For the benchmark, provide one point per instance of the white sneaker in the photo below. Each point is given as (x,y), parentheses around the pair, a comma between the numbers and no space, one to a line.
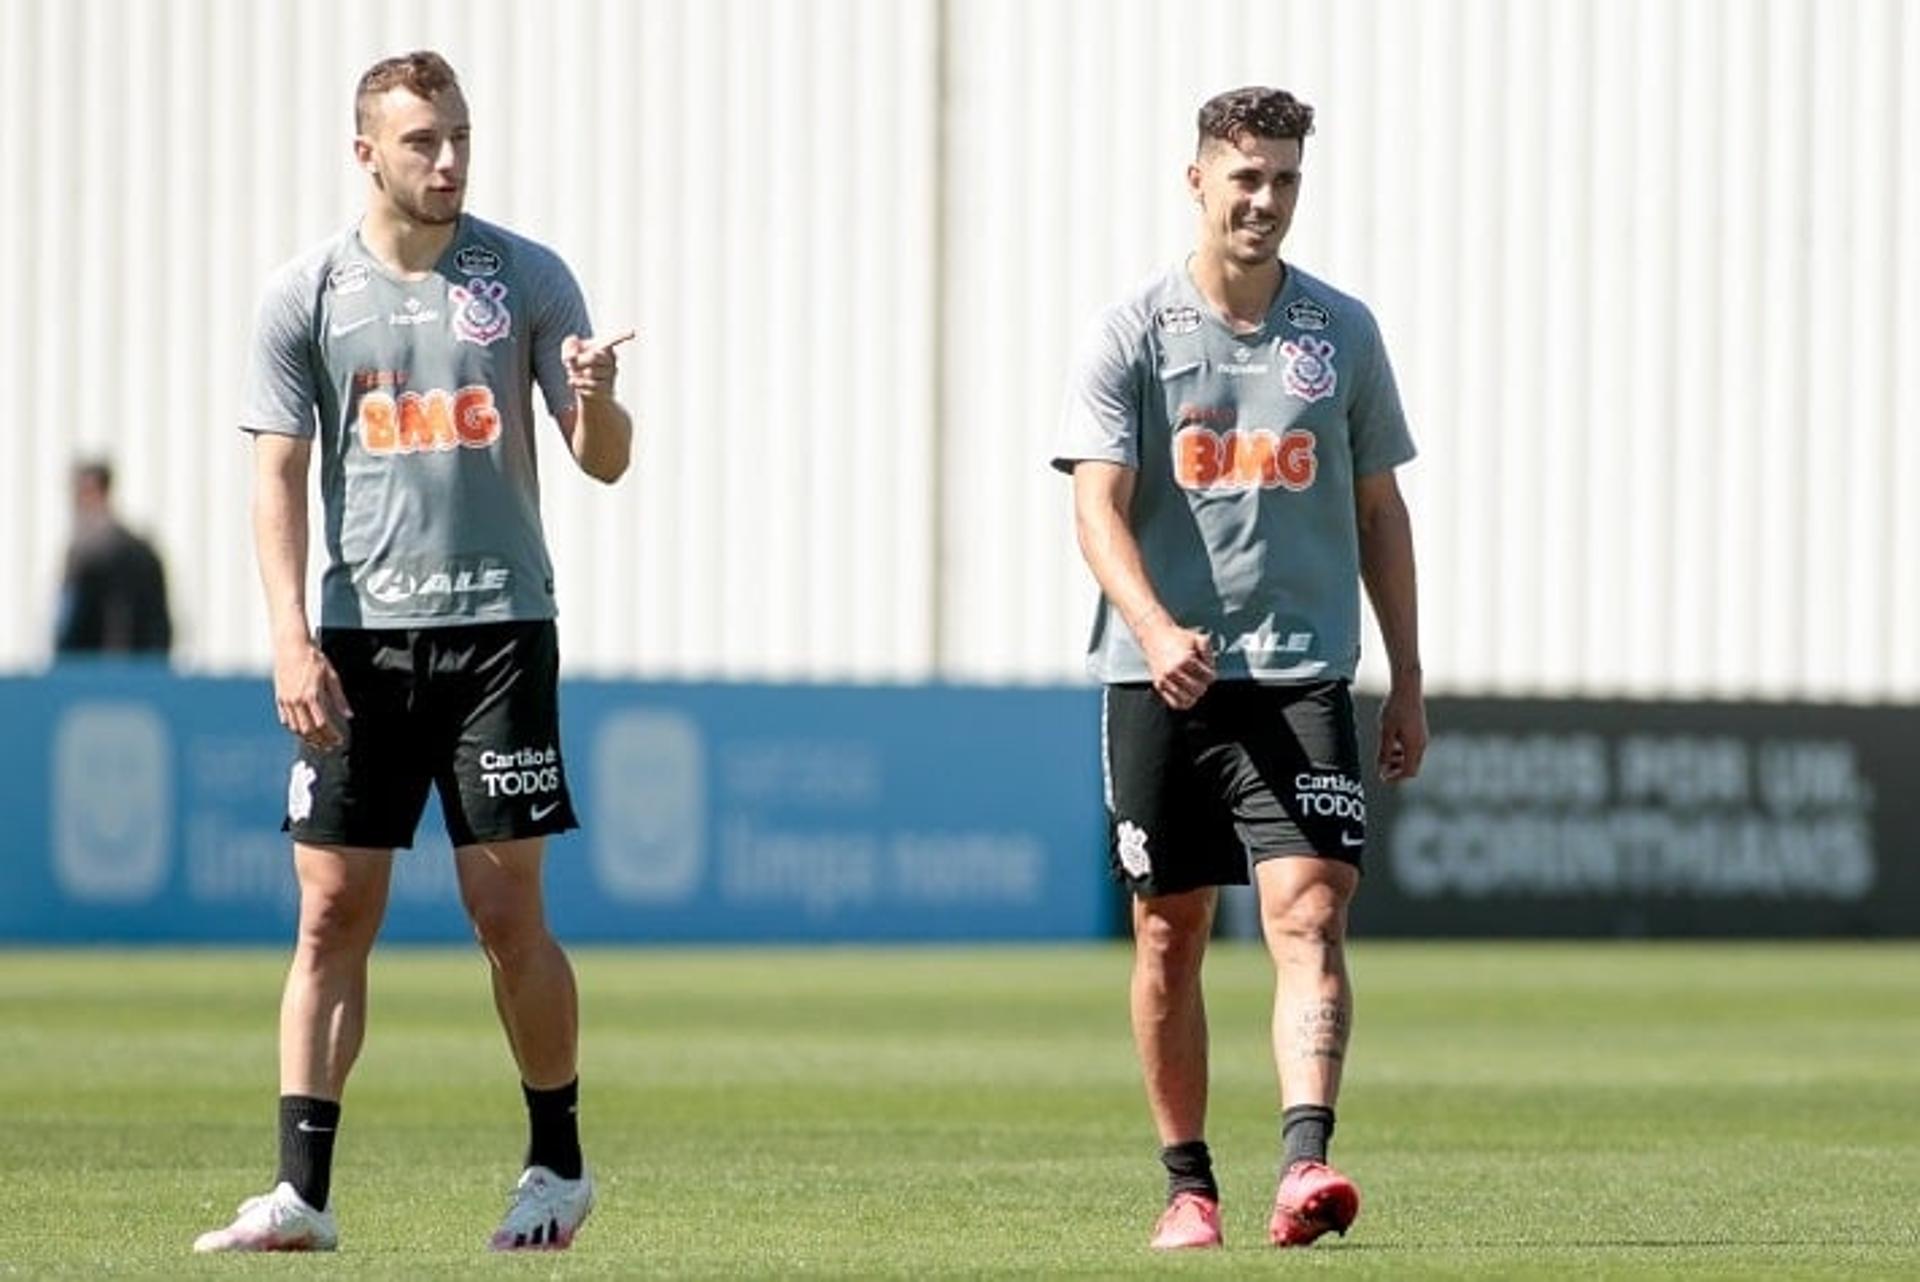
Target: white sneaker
(544,1211)
(276,1221)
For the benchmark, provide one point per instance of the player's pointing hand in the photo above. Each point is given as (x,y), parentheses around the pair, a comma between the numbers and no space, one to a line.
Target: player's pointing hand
(591,363)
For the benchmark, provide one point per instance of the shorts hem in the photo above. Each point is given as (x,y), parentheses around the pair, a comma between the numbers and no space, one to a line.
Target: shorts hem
(523,832)
(1349,857)
(1154,890)
(315,837)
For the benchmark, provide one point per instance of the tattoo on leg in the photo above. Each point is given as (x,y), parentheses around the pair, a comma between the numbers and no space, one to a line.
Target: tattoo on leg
(1321,1032)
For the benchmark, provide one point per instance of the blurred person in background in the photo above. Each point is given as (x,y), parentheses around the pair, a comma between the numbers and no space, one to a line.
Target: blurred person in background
(1232,429)
(410,346)
(113,589)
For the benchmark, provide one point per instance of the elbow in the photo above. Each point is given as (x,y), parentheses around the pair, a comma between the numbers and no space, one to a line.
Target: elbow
(1088,530)
(604,453)
(604,458)
(1379,516)
(606,470)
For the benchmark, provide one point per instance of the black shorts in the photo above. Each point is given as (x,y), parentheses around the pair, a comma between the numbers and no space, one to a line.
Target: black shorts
(1249,773)
(472,709)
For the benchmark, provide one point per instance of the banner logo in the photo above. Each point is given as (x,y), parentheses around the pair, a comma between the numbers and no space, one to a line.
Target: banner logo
(112,802)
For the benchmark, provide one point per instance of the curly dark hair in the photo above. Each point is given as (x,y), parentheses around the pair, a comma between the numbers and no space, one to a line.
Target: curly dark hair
(423,71)
(1256,110)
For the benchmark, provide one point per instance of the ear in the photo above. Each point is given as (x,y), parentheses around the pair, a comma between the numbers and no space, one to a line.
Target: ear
(363,152)
(1194,186)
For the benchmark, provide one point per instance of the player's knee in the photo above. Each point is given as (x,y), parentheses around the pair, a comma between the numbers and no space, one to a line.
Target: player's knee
(1313,921)
(333,925)
(1171,943)
(505,925)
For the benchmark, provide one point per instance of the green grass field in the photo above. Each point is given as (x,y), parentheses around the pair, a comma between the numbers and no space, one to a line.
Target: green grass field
(1526,1111)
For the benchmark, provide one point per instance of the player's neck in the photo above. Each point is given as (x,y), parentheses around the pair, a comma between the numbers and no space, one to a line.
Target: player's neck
(1241,295)
(403,246)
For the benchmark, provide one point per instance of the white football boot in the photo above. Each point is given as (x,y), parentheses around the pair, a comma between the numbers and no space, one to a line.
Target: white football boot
(276,1221)
(544,1211)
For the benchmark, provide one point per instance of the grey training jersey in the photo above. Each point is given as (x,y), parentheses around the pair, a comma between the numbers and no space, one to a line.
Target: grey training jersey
(1247,447)
(421,393)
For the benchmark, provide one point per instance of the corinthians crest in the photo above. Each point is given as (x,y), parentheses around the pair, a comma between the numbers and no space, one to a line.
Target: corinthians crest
(1130,842)
(1309,372)
(480,313)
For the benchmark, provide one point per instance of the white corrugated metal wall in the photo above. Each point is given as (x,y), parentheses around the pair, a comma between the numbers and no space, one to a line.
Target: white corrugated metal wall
(1648,270)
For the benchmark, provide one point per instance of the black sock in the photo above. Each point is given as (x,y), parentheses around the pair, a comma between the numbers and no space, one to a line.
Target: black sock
(307,1127)
(1305,1131)
(1189,1169)
(553,1129)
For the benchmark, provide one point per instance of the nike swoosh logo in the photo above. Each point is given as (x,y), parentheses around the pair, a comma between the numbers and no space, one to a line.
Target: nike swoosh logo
(341,331)
(1348,839)
(304,1125)
(541,812)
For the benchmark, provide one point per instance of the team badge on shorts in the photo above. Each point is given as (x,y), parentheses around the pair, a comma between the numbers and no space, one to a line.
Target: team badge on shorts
(480,313)
(1309,372)
(1130,842)
(300,791)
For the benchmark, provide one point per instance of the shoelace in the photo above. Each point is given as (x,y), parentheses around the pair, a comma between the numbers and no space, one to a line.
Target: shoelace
(264,1212)
(533,1213)
(268,1208)
(538,1196)
(251,1205)
(1185,1205)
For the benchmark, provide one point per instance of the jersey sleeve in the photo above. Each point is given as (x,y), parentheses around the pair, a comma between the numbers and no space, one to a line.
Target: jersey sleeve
(559,309)
(1100,417)
(1376,423)
(279,395)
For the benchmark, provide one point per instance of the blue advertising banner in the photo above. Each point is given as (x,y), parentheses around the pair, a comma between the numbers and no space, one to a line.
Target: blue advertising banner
(1617,818)
(144,806)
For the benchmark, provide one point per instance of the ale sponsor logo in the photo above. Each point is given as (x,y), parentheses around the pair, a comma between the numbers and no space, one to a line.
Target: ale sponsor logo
(436,584)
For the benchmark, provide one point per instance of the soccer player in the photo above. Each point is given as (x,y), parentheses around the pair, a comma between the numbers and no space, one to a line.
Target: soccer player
(409,345)
(1232,431)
